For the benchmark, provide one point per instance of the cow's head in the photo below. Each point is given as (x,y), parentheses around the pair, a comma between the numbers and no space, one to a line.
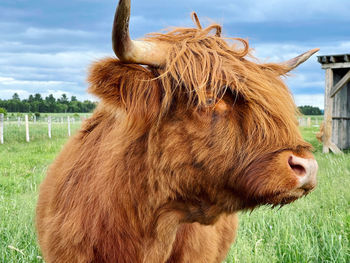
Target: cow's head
(221,130)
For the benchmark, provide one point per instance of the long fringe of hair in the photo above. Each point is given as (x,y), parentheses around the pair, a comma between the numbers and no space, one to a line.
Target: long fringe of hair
(202,66)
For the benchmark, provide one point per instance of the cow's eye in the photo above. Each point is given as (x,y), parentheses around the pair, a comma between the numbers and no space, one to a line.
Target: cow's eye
(210,102)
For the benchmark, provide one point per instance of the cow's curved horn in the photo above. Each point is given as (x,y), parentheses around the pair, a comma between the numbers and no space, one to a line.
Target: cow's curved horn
(294,62)
(131,51)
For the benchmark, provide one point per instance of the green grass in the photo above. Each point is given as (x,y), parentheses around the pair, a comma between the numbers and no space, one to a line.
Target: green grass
(313,229)
(22,167)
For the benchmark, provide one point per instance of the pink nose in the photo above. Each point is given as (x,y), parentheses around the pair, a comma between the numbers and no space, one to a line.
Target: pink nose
(305,169)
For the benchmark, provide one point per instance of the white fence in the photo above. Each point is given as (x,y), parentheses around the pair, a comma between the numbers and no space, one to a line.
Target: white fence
(64,124)
(310,121)
(54,125)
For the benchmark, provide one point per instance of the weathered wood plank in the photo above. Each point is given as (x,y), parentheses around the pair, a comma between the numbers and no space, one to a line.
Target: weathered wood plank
(341,83)
(339,101)
(334,148)
(343,134)
(336,65)
(335,131)
(328,106)
(341,113)
(347,128)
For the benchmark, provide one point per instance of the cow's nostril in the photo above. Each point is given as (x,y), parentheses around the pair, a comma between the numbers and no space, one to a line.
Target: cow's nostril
(298,168)
(305,169)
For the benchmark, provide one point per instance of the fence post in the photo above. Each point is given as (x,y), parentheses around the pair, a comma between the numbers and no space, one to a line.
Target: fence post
(27,128)
(300,121)
(308,122)
(19,121)
(1,128)
(49,125)
(68,120)
(34,118)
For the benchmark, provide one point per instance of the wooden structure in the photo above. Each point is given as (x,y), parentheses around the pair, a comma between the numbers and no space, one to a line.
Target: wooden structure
(336,134)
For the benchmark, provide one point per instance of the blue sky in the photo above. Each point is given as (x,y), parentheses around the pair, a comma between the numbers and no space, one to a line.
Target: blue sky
(46,46)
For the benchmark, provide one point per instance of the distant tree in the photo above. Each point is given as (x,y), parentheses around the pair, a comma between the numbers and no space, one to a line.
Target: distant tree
(34,106)
(50,99)
(15,97)
(30,98)
(37,97)
(74,106)
(62,107)
(36,103)
(51,103)
(26,107)
(63,99)
(13,105)
(310,110)
(4,111)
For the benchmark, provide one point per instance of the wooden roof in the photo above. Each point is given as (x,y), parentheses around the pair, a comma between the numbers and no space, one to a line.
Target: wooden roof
(335,61)
(326,59)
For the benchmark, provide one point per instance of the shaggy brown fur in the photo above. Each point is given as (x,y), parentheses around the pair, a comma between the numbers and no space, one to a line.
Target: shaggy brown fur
(159,171)
(320,133)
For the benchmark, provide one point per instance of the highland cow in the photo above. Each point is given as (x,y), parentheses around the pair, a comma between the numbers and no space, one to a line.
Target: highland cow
(174,150)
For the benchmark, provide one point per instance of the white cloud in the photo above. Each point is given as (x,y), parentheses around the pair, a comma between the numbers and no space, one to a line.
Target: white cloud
(7,93)
(61,59)
(9,86)
(277,52)
(5,81)
(34,32)
(316,100)
(37,73)
(58,93)
(290,10)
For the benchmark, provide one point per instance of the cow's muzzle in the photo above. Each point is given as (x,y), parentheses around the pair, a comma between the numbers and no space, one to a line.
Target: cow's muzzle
(306,170)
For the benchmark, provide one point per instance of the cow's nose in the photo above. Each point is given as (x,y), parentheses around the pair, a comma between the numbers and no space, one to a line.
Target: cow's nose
(305,170)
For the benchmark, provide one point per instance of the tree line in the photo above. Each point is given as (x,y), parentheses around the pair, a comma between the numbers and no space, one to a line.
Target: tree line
(310,110)
(36,103)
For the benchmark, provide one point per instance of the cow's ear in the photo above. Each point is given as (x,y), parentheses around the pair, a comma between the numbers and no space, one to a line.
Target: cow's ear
(128,86)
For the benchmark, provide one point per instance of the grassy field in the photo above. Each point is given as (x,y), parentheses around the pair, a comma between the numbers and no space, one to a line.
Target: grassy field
(313,229)
(22,167)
